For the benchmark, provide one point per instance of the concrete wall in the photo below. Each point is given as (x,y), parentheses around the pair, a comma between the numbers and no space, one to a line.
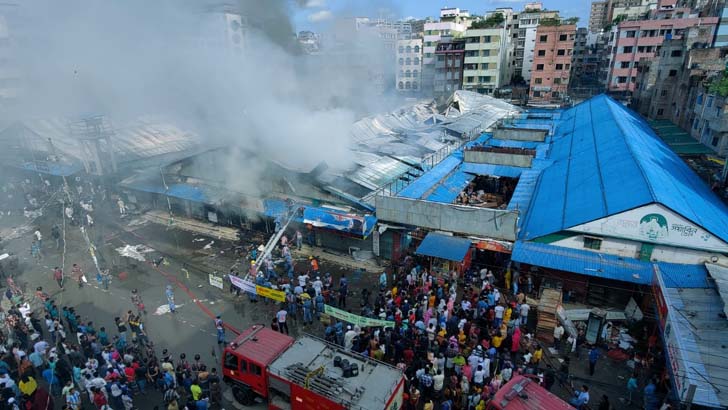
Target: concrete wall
(497,158)
(493,223)
(520,134)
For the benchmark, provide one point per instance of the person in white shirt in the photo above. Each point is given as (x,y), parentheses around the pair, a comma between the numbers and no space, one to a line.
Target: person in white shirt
(524,313)
(349,338)
(438,381)
(499,309)
(479,376)
(558,334)
(318,285)
(302,278)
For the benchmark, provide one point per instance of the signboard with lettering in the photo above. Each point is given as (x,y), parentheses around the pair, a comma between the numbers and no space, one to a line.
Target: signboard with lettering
(356,319)
(215,281)
(654,224)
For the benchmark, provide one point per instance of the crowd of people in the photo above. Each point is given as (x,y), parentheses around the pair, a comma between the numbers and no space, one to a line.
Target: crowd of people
(52,356)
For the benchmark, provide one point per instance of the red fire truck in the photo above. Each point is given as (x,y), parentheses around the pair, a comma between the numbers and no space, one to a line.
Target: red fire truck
(307,373)
(522,393)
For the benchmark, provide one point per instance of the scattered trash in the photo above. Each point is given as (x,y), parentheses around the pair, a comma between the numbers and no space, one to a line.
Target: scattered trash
(209,245)
(198,239)
(134,251)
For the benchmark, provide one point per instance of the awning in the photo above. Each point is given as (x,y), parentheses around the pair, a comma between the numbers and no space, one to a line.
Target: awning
(583,262)
(442,246)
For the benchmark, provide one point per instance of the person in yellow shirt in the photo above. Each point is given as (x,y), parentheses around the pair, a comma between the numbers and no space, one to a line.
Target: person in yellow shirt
(537,355)
(507,315)
(196,391)
(496,341)
(27,385)
(431,301)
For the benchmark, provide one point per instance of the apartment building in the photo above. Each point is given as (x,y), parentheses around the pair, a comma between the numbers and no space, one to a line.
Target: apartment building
(486,59)
(408,78)
(721,35)
(633,40)
(630,9)
(449,56)
(528,22)
(598,15)
(433,32)
(553,52)
(660,79)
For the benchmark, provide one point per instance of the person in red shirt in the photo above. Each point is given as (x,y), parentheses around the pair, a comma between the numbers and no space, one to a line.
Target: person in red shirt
(99,398)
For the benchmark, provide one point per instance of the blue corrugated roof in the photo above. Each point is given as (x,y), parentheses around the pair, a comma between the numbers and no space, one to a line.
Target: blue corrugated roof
(489,169)
(607,160)
(583,262)
(442,246)
(52,168)
(427,181)
(451,187)
(684,276)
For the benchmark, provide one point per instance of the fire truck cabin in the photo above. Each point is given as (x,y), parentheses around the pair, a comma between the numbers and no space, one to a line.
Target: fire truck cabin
(313,374)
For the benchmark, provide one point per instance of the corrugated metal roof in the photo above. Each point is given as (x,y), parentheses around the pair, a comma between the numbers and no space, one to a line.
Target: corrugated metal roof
(441,246)
(720,276)
(698,345)
(583,262)
(449,189)
(490,169)
(684,276)
(426,182)
(607,160)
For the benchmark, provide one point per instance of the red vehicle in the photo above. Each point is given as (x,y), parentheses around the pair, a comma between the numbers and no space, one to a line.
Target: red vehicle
(522,393)
(307,373)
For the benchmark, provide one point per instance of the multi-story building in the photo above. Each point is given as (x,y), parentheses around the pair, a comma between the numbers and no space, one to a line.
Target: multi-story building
(528,22)
(598,15)
(553,50)
(588,58)
(455,15)
(223,27)
(434,31)
(449,57)
(409,66)
(630,9)
(486,59)
(633,40)
(721,34)
(659,78)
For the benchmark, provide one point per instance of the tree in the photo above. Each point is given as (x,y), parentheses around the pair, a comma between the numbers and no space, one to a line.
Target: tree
(494,20)
(719,85)
(571,20)
(550,21)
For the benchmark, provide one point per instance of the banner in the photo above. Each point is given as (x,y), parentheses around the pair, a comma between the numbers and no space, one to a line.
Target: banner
(361,321)
(250,287)
(242,284)
(277,295)
(215,281)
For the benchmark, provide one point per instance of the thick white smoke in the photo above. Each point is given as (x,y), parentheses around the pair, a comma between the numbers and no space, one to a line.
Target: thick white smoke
(131,58)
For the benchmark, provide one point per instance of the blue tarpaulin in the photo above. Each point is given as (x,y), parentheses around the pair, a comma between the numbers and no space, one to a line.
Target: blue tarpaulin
(426,182)
(583,262)
(320,217)
(442,246)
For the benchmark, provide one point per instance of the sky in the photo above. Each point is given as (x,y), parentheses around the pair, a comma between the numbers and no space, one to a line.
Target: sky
(316,14)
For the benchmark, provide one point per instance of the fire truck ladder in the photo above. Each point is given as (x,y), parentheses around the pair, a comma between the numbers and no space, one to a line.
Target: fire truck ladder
(273,241)
(318,382)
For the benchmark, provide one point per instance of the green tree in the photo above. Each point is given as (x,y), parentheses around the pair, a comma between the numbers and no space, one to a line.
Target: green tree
(494,20)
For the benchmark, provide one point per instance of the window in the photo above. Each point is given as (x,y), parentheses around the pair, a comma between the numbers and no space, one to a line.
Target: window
(537,93)
(562,37)
(401,61)
(400,85)
(470,79)
(676,53)
(660,111)
(543,39)
(538,80)
(700,99)
(559,66)
(557,80)
(408,61)
(416,61)
(555,94)
(631,34)
(486,53)
(621,80)
(592,243)
(231,361)
(414,85)
(401,49)
(407,85)
(539,67)
(663,93)
(672,73)
(710,101)
(561,52)
(486,39)
(255,369)
(624,64)
(409,49)
(484,66)
(628,49)
(417,49)
(567,66)
(415,73)
(408,73)
(714,142)
(541,53)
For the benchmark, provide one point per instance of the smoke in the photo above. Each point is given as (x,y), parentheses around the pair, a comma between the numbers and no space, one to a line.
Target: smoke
(176,59)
